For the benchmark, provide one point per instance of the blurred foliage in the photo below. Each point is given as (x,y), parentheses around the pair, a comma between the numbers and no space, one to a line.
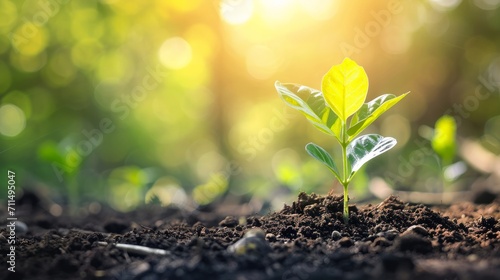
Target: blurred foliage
(443,141)
(116,96)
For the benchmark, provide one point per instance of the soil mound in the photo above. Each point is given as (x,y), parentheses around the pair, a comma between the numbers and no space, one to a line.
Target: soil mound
(305,240)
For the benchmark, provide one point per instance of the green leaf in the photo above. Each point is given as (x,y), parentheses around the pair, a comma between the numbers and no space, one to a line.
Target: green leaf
(345,87)
(311,104)
(370,111)
(365,148)
(444,142)
(324,157)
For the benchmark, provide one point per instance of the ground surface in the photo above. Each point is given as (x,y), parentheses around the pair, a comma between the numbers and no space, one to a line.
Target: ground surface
(306,240)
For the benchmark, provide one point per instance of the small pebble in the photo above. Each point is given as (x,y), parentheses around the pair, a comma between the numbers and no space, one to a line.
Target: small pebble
(271,237)
(418,229)
(21,228)
(229,221)
(255,232)
(389,234)
(336,235)
(253,244)
(63,231)
(138,268)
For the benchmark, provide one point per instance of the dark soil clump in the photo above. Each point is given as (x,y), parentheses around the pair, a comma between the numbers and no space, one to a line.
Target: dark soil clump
(306,240)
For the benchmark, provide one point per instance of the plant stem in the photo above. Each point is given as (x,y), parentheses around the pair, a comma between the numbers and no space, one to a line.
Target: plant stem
(345,179)
(346,206)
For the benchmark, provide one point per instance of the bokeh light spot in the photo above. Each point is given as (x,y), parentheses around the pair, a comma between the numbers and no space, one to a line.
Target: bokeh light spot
(444,5)
(286,168)
(56,210)
(208,192)
(28,63)
(126,185)
(12,120)
(175,53)
(209,163)
(8,14)
(395,40)
(167,192)
(319,9)
(278,11)
(487,4)
(19,99)
(494,72)
(398,127)
(29,39)
(236,11)
(262,62)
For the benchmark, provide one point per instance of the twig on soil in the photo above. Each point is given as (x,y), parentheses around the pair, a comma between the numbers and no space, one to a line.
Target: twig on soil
(89,232)
(136,249)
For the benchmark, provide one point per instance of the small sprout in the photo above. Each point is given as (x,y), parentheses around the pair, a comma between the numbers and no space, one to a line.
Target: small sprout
(339,110)
(444,139)
(444,143)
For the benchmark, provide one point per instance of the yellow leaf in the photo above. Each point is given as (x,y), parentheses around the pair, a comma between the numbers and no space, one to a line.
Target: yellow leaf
(344,88)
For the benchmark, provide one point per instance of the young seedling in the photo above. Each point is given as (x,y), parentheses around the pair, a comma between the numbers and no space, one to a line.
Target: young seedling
(443,140)
(444,143)
(339,110)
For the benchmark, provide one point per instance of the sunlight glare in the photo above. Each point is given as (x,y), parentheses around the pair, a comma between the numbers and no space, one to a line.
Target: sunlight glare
(395,40)
(236,12)
(175,53)
(278,10)
(487,4)
(262,62)
(12,120)
(444,5)
(319,9)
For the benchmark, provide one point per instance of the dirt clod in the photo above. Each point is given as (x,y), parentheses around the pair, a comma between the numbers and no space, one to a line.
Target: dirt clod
(413,243)
(229,221)
(346,242)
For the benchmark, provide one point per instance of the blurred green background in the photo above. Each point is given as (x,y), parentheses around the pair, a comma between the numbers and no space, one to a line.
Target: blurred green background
(173,102)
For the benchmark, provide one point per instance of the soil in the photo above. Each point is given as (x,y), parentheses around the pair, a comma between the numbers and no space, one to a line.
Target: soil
(305,240)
